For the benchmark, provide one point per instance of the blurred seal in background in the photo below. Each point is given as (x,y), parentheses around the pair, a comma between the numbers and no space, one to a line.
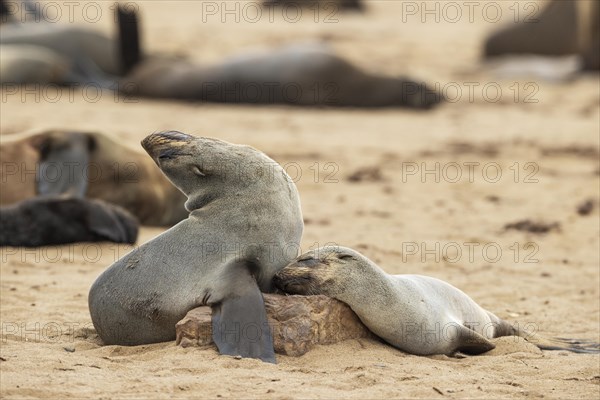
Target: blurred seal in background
(562,28)
(304,74)
(39,51)
(55,220)
(91,165)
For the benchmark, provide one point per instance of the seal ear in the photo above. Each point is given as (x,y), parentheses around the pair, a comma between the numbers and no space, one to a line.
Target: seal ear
(239,321)
(62,164)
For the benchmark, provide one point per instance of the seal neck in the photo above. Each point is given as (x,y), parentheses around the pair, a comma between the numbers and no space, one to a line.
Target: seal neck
(360,284)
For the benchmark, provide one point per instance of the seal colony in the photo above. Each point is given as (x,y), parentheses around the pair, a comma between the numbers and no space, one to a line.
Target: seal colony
(414,313)
(244,224)
(303,74)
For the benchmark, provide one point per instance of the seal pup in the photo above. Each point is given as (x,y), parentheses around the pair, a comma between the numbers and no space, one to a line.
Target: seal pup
(54,220)
(245,222)
(414,313)
(306,74)
(87,164)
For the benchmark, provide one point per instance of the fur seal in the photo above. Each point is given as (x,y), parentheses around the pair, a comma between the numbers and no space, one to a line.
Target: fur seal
(562,28)
(332,5)
(87,164)
(54,220)
(245,221)
(417,314)
(307,74)
(45,52)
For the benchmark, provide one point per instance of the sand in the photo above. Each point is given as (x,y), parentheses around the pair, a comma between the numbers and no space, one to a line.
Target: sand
(445,226)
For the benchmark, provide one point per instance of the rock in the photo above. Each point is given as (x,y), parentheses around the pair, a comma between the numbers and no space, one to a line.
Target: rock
(298,323)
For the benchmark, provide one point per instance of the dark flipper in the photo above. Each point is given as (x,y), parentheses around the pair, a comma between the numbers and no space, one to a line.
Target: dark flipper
(573,345)
(544,343)
(111,223)
(63,164)
(239,320)
(129,38)
(473,343)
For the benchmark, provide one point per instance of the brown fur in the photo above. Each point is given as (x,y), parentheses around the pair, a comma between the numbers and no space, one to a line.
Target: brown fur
(118,175)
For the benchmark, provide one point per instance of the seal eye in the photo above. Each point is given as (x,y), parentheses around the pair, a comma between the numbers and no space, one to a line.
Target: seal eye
(345,257)
(196,170)
(308,262)
(167,154)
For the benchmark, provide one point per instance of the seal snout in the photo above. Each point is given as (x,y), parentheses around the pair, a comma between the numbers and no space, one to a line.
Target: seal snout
(164,142)
(293,279)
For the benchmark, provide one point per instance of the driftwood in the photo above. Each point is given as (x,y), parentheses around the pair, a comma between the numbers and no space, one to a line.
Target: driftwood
(297,323)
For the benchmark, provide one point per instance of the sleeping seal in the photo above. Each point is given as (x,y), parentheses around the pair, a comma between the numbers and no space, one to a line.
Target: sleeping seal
(327,5)
(245,224)
(417,314)
(307,74)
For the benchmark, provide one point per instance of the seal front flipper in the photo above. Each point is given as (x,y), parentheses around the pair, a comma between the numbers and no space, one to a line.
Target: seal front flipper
(239,320)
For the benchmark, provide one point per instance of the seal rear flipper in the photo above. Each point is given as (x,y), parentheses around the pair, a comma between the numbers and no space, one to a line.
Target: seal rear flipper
(111,222)
(239,321)
(473,343)
(573,345)
(129,38)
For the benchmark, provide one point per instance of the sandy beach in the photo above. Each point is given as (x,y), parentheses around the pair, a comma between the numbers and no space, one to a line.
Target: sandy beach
(418,192)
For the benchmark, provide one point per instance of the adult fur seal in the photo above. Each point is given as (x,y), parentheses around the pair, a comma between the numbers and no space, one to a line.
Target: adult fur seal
(562,28)
(305,74)
(44,52)
(53,220)
(329,5)
(87,164)
(245,224)
(417,314)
